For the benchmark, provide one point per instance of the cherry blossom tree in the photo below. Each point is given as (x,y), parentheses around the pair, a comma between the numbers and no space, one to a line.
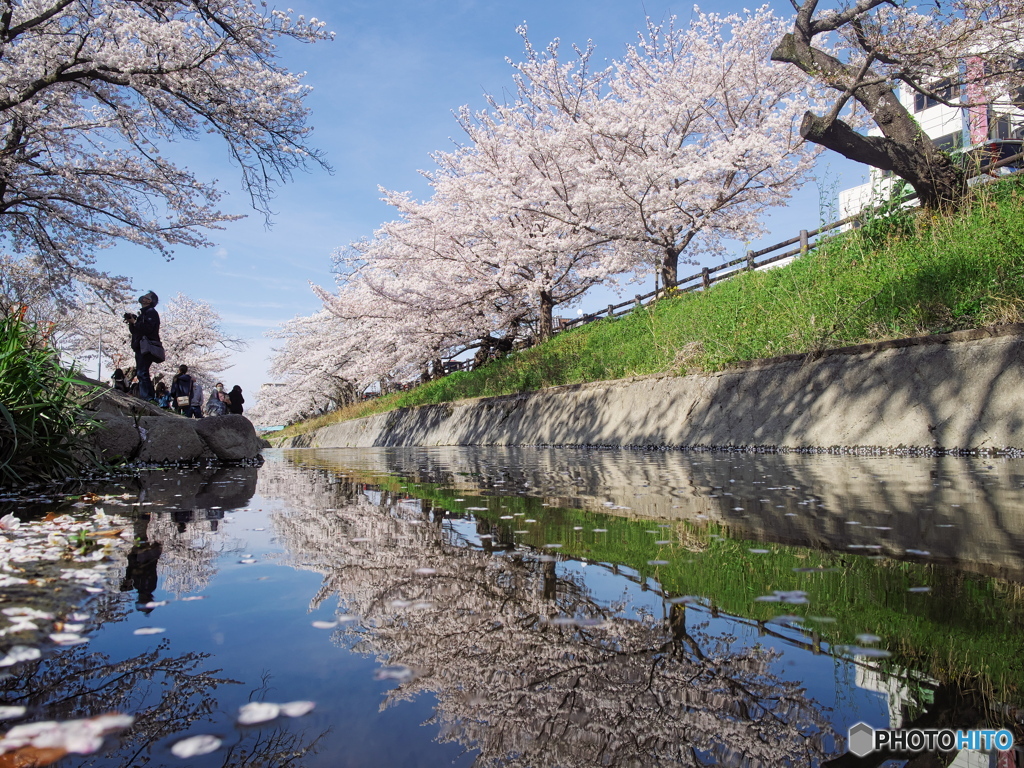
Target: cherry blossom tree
(960,53)
(309,367)
(583,176)
(91,89)
(694,139)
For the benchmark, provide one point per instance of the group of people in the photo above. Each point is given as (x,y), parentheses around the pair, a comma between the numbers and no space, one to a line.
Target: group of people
(185,395)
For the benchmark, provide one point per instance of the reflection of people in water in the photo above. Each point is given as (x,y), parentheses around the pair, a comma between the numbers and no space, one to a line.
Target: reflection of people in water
(141,572)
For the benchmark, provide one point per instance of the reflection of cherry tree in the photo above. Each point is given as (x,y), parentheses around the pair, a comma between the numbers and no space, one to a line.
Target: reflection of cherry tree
(191,545)
(527,666)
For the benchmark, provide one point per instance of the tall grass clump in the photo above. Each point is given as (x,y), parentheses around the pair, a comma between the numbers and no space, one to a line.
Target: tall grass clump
(41,422)
(904,273)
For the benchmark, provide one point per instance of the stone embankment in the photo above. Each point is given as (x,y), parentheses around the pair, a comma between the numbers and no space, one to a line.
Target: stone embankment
(960,391)
(134,430)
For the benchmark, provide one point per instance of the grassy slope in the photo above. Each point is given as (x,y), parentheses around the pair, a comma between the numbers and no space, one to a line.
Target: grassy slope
(902,276)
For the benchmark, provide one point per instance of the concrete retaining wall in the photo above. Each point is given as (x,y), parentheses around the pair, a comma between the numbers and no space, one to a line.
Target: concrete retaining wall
(962,390)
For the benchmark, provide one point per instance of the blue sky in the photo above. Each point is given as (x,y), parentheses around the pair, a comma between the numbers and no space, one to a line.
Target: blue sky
(384,91)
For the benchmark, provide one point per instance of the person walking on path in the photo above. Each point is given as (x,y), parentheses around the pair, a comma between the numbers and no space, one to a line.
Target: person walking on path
(145,325)
(235,406)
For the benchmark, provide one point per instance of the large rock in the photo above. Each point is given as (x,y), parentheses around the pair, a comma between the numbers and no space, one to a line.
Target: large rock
(231,437)
(170,438)
(116,438)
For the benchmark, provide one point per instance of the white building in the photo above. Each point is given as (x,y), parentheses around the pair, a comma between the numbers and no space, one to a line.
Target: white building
(951,128)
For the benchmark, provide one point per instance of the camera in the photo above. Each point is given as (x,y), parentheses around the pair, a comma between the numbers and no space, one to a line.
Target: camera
(129,317)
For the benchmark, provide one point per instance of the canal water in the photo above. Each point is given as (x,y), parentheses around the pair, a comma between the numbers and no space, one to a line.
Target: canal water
(528,607)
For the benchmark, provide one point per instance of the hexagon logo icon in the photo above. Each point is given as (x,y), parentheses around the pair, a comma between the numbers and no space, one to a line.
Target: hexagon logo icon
(860,739)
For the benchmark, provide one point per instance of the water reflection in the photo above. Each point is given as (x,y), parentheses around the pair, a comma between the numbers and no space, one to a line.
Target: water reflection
(544,608)
(540,642)
(965,511)
(528,667)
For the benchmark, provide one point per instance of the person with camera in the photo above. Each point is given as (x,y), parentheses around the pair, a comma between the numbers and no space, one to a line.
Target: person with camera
(146,344)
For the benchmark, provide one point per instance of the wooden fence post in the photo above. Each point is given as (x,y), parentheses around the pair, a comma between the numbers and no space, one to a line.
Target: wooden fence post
(750,261)
(636,296)
(705,276)
(803,241)
(611,312)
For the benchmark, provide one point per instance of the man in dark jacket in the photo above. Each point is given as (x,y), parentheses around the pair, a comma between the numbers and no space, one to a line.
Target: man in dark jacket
(146,324)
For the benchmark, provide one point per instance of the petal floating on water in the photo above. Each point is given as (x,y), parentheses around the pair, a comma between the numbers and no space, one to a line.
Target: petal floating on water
(401,673)
(20,653)
(149,631)
(297,708)
(258,712)
(195,746)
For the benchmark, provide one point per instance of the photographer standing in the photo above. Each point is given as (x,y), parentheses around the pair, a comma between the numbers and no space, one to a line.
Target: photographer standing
(145,327)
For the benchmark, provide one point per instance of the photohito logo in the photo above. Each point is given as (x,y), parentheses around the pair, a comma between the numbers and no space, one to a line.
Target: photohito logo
(862,739)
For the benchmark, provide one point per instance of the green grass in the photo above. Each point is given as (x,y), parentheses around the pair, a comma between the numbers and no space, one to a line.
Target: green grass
(904,275)
(42,424)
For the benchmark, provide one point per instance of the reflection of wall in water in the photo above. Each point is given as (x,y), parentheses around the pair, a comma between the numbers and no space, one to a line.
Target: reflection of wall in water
(790,498)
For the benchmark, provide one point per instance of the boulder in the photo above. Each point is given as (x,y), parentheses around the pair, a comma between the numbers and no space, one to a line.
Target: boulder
(231,437)
(116,438)
(170,438)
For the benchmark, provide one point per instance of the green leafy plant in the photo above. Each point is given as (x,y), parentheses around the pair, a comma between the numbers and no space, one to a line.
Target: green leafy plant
(42,426)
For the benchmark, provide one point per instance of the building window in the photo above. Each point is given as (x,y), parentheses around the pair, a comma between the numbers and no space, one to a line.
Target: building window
(950,141)
(944,89)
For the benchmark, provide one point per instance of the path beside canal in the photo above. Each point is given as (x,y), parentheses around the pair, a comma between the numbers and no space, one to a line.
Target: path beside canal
(957,391)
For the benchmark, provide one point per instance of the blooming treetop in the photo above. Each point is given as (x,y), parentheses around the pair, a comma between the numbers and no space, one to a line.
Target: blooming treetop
(90,89)
(695,137)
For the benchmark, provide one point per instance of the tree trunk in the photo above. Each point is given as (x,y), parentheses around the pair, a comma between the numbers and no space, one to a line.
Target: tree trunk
(670,268)
(903,147)
(547,306)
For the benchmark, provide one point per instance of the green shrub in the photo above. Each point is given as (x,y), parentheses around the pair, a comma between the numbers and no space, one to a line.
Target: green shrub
(41,421)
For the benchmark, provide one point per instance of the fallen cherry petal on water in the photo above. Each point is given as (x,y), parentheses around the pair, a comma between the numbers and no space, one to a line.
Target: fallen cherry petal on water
(258,712)
(20,653)
(297,708)
(149,631)
(68,638)
(195,746)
